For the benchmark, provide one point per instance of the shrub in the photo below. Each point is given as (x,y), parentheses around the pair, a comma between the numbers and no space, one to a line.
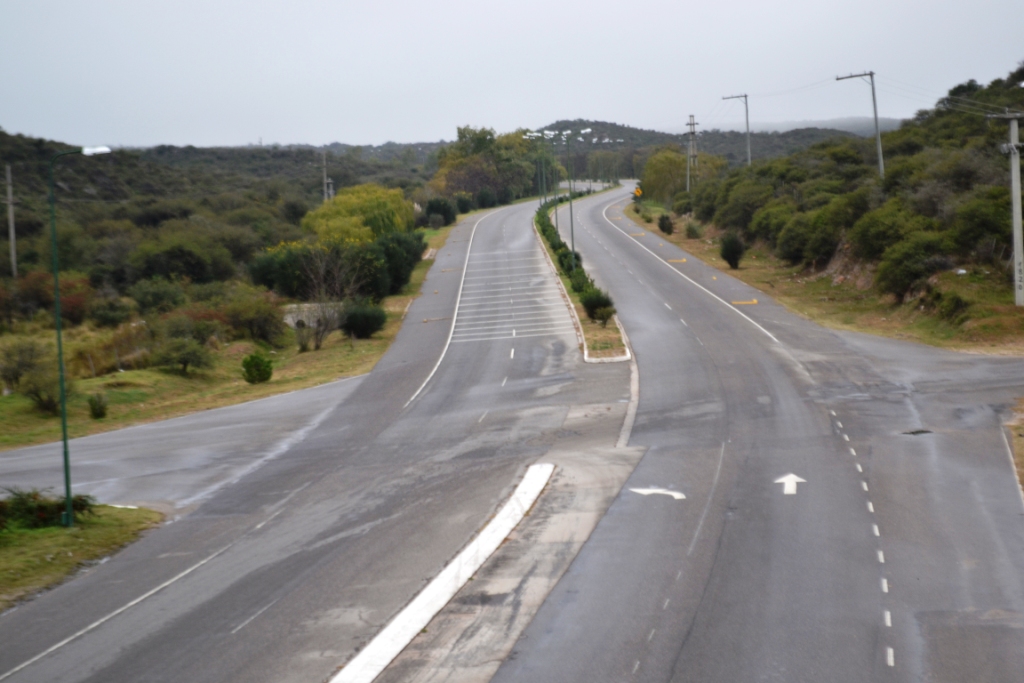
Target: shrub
(97,406)
(486,198)
(303,335)
(157,295)
(4,514)
(256,314)
(793,238)
(768,221)
(110,311)
(185,353)
(693,230)
(908,262)
(362,320)
(565,260)
(19,358)
(580,281)
(440,206)
(41,385)
(681,204)
(732,249)
(464,202)
(33,509)
(402,251)
(646,215)
(257,368)
(953,307)
(604,314)
(665,224)
(593,299)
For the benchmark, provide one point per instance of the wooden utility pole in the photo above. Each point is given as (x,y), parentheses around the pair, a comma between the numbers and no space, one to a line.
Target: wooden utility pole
(10,224)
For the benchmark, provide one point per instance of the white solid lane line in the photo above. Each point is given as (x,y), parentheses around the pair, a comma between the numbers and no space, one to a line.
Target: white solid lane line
(386,645)
(707,503)
(100,622)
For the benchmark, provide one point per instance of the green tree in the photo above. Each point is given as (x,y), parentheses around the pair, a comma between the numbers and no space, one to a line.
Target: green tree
(184,353)
(664,175)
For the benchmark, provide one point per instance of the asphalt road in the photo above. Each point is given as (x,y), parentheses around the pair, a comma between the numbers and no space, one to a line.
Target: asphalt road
(302,523)
(900,556)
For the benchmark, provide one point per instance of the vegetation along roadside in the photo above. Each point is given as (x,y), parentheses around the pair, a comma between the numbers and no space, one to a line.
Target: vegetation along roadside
(923,254)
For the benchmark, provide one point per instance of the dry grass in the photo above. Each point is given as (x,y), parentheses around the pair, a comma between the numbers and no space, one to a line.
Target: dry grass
(138,396)
(32,560)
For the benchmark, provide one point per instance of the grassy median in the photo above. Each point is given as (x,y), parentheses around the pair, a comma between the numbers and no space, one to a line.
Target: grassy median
(32,560)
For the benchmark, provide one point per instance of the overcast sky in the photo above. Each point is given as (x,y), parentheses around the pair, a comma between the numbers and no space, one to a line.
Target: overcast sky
(220,72)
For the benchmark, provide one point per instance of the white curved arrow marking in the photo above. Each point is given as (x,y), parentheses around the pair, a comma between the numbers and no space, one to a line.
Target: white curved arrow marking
(789,483)
(665,492)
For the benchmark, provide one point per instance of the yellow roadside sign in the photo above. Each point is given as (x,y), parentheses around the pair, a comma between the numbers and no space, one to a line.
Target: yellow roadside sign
(638,192)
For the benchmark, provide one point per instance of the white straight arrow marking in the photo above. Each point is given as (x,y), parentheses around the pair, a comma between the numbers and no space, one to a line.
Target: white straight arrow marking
(665,492)
(789,483)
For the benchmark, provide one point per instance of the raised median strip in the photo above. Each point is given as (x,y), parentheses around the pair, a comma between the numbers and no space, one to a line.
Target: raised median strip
(387,645)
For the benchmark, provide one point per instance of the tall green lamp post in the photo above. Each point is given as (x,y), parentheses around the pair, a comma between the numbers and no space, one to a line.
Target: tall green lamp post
(68,517)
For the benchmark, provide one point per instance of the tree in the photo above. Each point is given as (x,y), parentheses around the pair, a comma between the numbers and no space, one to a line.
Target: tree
(19,358)
(185,353)
(664,175)
(347,216)
(41,385)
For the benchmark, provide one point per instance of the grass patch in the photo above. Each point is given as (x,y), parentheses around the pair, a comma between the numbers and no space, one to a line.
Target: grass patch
(846,300)
(602,341)
(35,559)
(139,396)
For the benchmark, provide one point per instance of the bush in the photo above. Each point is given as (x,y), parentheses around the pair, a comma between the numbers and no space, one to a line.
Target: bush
(157,295)
(565,261)
(646,215)
(303,335)
(5,510)
(953,307)
(908,262)
(185,353)
(665,224)
(593,299)
(604,314)
(256,314)
(441,207)
(41,385)
(693,230)
(110,311)
(681,204)
(257,368)
(18,358)
(793,238)
(402,251)
(464,202)
(97,406)
(362,320)
(732,249)
(486,198)
(580,281)
(33,509)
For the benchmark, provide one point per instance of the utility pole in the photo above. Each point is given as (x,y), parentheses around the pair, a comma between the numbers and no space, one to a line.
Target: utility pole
(874,105)
(746,109)
(1013,150)
(10,224)
(691,154)
(324,158)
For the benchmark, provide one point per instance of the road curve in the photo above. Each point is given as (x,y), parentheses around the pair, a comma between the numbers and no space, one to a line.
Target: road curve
(894,552)
(303,523)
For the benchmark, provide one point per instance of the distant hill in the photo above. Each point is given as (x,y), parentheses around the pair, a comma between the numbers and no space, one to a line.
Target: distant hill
(863,126)
(730,144)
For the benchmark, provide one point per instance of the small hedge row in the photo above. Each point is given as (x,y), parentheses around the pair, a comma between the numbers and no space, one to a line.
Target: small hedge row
(595,301)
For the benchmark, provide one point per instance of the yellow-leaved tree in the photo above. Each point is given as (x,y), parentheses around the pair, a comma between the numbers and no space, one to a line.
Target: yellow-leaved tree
(360,214)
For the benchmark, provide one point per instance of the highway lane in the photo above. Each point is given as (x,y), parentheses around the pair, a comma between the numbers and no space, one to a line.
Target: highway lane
(283,574)
(900,558)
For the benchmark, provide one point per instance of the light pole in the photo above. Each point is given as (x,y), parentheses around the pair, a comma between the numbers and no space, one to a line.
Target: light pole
(68,516)
(746,111)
